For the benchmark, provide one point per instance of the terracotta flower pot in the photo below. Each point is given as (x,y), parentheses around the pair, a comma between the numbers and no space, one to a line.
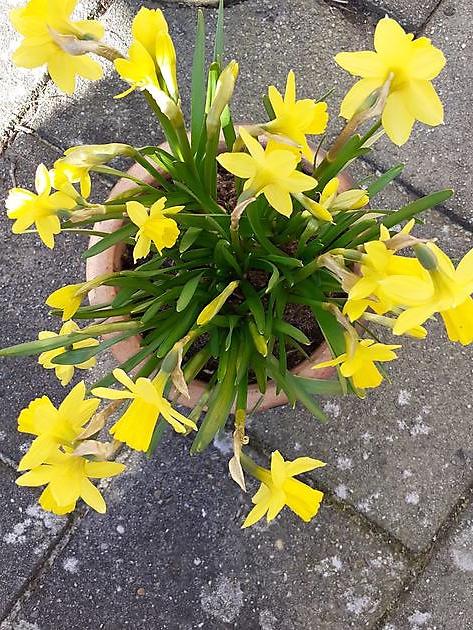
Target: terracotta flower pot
(111,260)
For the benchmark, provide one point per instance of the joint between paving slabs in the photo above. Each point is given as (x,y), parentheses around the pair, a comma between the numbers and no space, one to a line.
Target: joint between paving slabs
(421,560)
(56,547)
(449,214)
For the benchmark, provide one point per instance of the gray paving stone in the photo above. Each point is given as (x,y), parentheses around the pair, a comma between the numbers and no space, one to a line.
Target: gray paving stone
(17,84)
(26,532)
(439,157)
(170,554)
(442,596)
(401,456)
(299,35)
(411,15)
(29,272)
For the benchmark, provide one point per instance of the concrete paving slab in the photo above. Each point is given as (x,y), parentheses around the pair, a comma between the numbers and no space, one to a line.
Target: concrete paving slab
(442,596)
(17,84)
(440,157)
(170,554)
(411,15)
(26,533)
(402,455)
(29,272)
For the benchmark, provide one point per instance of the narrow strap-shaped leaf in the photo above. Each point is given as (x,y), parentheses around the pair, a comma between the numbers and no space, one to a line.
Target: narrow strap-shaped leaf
(383,180)
(198,83)
(288,329)
(255,305)
(122,234)
(188,292)
(219,45)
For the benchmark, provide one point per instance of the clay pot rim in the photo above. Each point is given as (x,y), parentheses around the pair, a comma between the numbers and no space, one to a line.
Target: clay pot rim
(110,260)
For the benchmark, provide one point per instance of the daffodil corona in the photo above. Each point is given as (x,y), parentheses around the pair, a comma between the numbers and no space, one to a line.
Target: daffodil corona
(41,209)
(271,171)
(279,488)
(67,479)
(155,226)
(52,38)
(54,427)
(411,63)
(294,119)
(359,361)
(136,426)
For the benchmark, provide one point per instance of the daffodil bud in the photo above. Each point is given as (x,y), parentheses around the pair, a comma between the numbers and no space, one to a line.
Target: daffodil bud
(216,304)
(223,94)
(169,108)
(90,155)
(426,257)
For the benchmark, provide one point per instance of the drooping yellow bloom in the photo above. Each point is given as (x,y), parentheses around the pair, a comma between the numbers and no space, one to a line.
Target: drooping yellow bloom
(296,119)
(279,488)
(271,172)
(358,362)
(51,38)
(77,162)
(54,427)
(154,226)
(445,290)
(67,479)
(377,264)
(67,299)
(136,426)
(331,201)
(42,209)
(151,63)
(213,307)
(413,63)
(65,372)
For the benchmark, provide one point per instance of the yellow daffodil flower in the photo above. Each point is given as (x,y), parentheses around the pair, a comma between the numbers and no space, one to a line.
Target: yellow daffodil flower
(67,299)
(67,479)
(136,426)
(154,226)
(296,119)
(42,209)
(77,162)
(377,264)
(279,488)
(271,172)
(151,30)
(51,38)
(412,64)
(54,427)
(358,362)
(209,311)
(446,290)
(151,63)
(65,372)
(331,201)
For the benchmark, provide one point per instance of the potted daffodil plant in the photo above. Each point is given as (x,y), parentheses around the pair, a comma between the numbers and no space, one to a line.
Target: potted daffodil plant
(233,267)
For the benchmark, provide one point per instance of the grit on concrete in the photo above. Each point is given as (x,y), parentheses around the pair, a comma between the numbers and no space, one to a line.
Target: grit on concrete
(392,546)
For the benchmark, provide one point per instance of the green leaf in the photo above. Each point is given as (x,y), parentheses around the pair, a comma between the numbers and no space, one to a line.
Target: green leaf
(80,355)
(382,181)
(285,261)
(198,83)
(219,405)
(188,292)
(408,212)
(255,305)
(122,234)
(218,48)
(288,329)
(189,237)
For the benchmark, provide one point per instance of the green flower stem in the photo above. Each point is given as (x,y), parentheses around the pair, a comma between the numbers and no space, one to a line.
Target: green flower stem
(253,469)
(168,129)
